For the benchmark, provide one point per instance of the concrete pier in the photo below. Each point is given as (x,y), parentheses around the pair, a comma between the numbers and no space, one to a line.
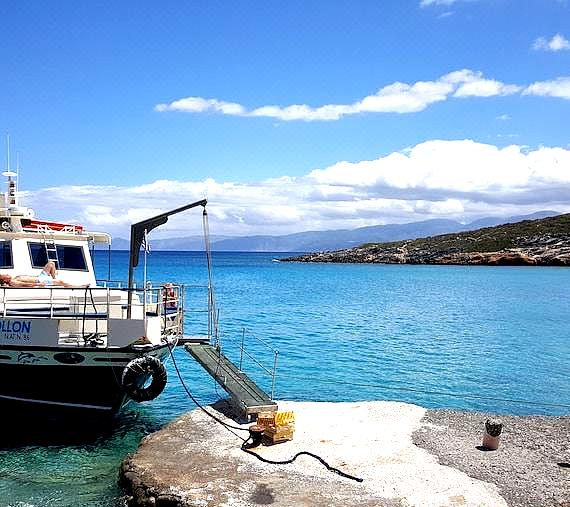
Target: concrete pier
(396,448)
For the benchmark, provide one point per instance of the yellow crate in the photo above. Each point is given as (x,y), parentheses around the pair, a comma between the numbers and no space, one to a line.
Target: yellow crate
(266,419)
(276,434)
(285,418)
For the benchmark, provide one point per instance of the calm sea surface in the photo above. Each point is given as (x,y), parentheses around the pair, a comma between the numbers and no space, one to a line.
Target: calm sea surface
(492,339)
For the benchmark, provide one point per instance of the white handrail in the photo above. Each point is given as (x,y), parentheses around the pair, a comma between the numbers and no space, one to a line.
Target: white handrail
(65,304)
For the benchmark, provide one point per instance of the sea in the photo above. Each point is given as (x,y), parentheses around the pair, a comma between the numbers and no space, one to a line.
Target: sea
(477,338)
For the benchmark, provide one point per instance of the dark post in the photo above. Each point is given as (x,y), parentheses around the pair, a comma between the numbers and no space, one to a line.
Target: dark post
(493,429)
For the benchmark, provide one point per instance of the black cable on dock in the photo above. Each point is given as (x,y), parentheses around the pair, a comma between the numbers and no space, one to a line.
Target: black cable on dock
(244,448)
(244,445)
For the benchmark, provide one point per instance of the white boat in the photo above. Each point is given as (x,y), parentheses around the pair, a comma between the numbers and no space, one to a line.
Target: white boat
(93,346)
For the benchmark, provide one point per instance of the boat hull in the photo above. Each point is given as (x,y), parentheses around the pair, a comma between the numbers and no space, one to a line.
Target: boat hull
(67,379)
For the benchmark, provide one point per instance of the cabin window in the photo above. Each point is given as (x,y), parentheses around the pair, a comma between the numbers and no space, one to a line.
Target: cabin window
(68,256)
(6,254)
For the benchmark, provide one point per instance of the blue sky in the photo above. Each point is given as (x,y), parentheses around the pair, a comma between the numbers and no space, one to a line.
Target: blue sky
(288,116)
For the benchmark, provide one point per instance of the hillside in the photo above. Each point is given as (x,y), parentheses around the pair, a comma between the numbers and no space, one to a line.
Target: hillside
(313,241)
(543,242)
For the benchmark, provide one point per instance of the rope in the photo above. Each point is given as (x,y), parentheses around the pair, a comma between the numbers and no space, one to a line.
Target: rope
(196,402)
(244,445)
(213,316)
(301,453)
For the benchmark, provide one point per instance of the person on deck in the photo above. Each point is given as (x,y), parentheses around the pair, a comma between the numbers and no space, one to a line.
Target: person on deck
(46,278)
(169,296)
(19,281)
(48,274)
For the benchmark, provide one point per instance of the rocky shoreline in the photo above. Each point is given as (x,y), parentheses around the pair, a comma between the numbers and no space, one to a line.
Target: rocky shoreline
(538,251)
(542,242)
(405,454)
(402,255)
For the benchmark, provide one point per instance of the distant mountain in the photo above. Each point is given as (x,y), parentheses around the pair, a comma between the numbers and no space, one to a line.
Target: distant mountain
(539,242)
(191,243)
(312,241)
(493,221)
(327,240)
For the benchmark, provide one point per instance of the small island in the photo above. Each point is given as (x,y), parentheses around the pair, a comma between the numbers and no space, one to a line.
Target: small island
(543,242)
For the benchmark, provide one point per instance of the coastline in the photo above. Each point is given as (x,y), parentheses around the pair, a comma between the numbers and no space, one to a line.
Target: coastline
(542,242)
(403,254)
(405,454)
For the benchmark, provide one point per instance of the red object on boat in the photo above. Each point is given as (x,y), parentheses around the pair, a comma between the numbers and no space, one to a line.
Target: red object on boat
(45,225)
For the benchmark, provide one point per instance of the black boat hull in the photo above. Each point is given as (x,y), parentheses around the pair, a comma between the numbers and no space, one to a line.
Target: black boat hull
(67,379)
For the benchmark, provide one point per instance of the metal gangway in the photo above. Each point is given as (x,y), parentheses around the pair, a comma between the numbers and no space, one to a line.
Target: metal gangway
(245,395)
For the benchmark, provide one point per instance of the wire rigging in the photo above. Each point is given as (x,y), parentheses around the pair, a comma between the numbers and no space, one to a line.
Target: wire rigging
(213,317)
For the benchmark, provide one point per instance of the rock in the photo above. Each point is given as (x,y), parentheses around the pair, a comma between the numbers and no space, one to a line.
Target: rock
(511,257)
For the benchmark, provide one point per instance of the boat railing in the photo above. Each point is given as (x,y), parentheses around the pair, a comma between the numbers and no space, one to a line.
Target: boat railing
(85,311)
(271,372)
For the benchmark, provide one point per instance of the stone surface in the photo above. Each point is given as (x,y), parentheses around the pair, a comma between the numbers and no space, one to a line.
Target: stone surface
(195,461)
(531,467)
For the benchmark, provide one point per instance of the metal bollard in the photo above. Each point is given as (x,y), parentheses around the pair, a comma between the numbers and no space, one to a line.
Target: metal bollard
(256,435)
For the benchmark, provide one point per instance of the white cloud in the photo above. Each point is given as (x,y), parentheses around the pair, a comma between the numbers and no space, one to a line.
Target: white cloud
(557,43)
(303,112)
(393,98)
(200,105)
(503,117)
(480,87)
(427,3)
(460,179)
(100,216)
(405,98)
(445,3)
(559,88)
(450,166)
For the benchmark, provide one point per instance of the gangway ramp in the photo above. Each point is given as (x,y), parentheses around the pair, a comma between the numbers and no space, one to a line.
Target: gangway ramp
(246,395)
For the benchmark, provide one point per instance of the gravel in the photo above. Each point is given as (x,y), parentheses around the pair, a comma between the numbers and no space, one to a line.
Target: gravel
(531,467)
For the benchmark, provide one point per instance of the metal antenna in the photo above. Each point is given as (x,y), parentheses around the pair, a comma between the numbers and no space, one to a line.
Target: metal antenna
(7,152)
(12,199)
(18,170)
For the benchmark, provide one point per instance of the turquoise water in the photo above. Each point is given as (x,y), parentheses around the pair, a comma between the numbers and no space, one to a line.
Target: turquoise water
(492,339)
